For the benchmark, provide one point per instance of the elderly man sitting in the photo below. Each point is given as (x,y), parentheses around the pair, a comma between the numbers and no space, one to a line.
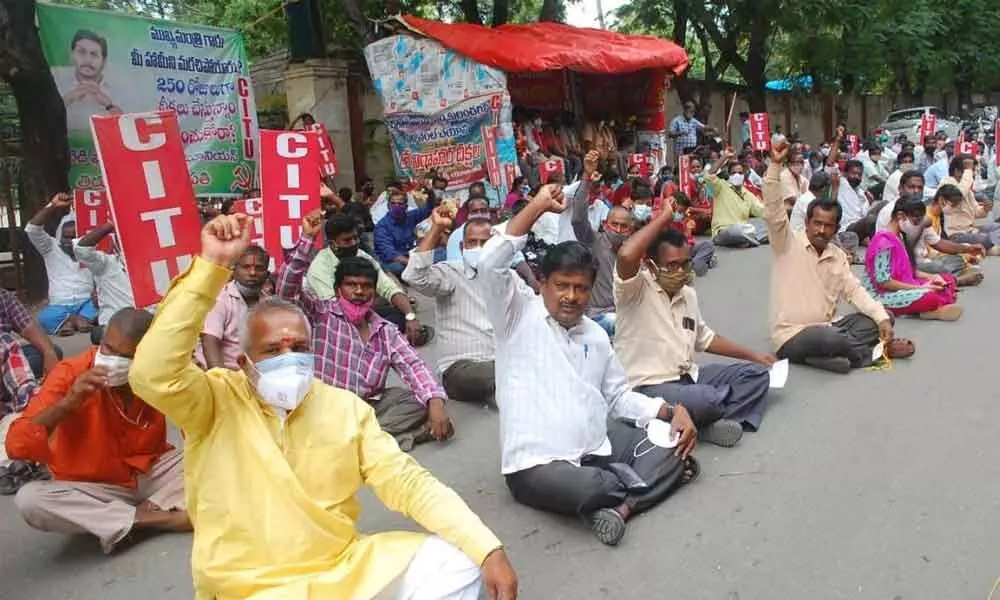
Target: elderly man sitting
(113,470)
(736,212)
(276,459)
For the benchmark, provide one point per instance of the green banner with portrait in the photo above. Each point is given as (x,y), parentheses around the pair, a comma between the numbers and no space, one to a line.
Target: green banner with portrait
(106,63)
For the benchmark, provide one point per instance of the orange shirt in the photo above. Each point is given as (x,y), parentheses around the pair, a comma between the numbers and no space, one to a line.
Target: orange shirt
(98,442)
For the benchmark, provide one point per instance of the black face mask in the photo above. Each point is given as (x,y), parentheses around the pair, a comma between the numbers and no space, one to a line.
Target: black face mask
(854,183)
(67,247)
(345,251)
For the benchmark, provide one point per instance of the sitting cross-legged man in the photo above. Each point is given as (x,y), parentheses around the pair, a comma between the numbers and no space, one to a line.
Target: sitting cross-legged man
(574,438)
(809,277)
(660,328)
(113,471)
(355,348)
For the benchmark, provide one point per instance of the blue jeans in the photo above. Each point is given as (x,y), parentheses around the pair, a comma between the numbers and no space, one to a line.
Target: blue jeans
(607,322)
(393,267)
(53,316)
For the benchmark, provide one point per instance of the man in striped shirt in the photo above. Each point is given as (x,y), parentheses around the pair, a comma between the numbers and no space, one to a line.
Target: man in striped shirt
(464,331)
(355,348)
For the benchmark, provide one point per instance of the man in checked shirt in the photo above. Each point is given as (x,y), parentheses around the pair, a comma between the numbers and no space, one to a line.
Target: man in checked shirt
(355,347)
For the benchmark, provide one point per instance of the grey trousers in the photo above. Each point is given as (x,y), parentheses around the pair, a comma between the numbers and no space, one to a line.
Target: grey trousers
(864,227)
(945,263)
(741,235)
(735,391)
(565,488)
(402,416)
(988,235)
(852,337)
(470,381)
(701,256)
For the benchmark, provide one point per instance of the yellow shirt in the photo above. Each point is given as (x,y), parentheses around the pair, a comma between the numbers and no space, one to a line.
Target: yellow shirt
(962,219)
(656,335)
(731,207)
(805,285)
(273,503)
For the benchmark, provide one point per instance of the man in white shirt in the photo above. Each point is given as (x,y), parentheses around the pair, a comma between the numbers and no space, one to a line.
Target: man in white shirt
(891,191)
(85,87)
(911,182)
(859,213)
(819,185)
(559,381)
(70,308)
(113,289)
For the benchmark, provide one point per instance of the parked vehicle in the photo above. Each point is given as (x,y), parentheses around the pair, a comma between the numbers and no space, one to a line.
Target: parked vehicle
(907,122)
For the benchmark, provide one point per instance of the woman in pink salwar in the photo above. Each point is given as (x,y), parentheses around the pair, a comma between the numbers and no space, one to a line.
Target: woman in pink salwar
(891,276)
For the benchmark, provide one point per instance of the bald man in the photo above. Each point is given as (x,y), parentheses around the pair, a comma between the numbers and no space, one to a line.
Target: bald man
(603,243)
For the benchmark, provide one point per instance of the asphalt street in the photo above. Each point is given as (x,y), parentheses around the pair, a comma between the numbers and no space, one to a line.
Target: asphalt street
(874,485)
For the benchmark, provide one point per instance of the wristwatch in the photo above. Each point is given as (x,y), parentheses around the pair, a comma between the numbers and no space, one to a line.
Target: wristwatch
(410,316)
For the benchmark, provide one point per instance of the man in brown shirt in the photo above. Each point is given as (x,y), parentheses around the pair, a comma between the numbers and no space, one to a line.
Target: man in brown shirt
(809,276)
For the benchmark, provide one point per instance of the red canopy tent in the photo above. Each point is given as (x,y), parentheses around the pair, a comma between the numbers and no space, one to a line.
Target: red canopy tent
(547,46)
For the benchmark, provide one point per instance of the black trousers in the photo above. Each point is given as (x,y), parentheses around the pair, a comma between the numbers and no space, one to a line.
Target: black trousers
(565,488)
(470,381)
(853,337)
(34,356)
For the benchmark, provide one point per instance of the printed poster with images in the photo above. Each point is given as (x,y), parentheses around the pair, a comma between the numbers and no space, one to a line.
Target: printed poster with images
(444,112)
(106,63)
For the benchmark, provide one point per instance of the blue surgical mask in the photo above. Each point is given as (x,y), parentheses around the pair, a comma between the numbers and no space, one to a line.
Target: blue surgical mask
(397,211)
(678,217)
(642,212)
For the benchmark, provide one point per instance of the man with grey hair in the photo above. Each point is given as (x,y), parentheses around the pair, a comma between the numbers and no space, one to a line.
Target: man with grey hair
(276,459)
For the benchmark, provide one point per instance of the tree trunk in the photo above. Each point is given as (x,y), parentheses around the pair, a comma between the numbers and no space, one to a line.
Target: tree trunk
(470,11)
(550,11)
(501,12)
(43,122)
(753,73)
(356,18)
(963,88)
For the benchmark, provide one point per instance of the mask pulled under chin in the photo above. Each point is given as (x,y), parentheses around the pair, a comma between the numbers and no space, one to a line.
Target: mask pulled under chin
(355,313)
(284,380)
(117,367)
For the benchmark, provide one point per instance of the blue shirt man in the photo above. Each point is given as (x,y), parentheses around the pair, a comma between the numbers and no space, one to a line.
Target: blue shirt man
(395,236)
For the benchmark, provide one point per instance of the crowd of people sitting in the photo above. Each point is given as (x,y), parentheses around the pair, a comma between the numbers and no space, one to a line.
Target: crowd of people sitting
(582,295)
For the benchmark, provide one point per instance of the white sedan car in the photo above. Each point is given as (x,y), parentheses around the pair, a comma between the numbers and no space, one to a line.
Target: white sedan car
(907,122)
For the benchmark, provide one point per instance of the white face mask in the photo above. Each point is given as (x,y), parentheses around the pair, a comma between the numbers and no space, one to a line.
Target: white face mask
(642,212)
(284,380)
(117,367)
(736,179)
(471,257)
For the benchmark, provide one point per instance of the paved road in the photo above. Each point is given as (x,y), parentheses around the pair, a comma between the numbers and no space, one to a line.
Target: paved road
(876,485)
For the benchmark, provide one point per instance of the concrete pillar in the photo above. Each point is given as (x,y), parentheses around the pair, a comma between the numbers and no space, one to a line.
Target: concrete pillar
(319,87)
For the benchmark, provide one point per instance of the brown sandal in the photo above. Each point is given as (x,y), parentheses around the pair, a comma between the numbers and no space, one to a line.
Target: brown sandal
(900,348)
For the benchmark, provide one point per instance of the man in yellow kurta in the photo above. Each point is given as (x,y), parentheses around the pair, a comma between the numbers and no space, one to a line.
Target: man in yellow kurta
(274,458)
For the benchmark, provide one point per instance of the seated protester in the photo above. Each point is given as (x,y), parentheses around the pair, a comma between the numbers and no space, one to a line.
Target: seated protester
(341,233)
(70,308)
(736,212)
(874,175)
(603,244)
(19,386)
(379,207)
(42,355)
(935,253)
(221,341)
(820,186)
(701,204)
(794,181)
(891,276)
(661,328)
(961,220)
(565,454)
(702,251)
(809,277)
(114,292)
(477,208)
(276,459)
(640,201)
(395,236)
(904,164)
(467,349)
(910,183)
(112,468)
(359,207)
(860,213)
(355,348)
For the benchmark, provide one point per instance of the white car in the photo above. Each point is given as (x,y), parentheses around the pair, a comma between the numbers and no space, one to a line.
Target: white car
(907,122)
